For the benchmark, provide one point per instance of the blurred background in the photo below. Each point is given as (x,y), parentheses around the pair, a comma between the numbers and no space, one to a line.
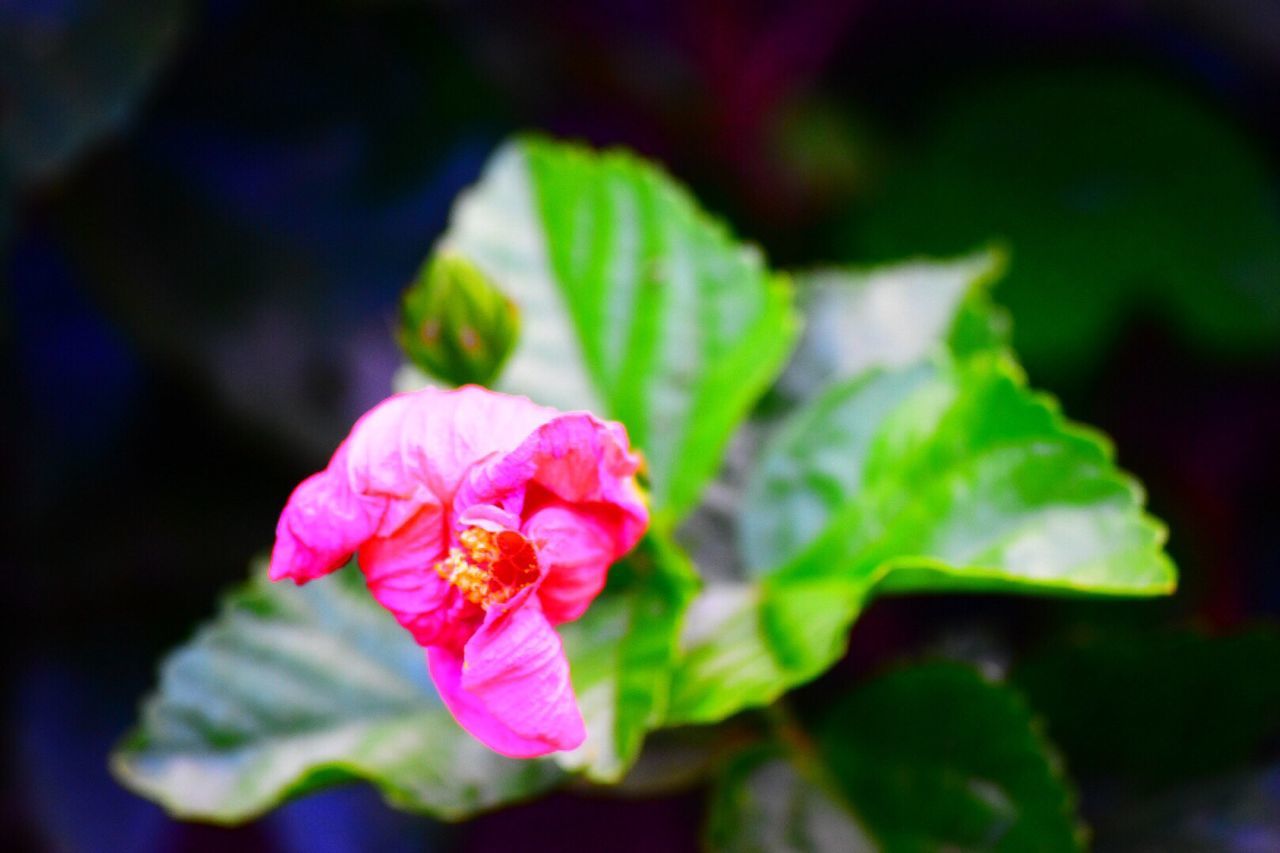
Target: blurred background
(208,210)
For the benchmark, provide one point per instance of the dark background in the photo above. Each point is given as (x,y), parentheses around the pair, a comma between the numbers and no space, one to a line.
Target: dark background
(207,212)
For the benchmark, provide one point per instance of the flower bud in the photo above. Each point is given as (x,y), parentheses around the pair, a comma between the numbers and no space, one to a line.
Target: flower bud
(454,322)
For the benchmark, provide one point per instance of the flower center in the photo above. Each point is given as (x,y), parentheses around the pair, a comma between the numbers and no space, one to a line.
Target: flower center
(490,567)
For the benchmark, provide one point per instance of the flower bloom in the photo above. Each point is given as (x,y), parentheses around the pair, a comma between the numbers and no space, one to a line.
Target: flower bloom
(481,521)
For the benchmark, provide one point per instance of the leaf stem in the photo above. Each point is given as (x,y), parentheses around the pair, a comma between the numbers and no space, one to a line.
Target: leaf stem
(800,747)
(805,755)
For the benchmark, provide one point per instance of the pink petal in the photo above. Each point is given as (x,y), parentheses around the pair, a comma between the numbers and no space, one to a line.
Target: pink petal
(427,441)
(576,548)
(409,452)
(510,689)
(400,572)
(322,524)
(419,468)
(489,517)
(576,459)
(573,480)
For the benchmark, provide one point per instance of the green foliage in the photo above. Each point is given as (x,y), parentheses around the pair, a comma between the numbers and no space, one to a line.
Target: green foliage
(893,316)
(455,324)
(949,475)
(621,653)
(905,454)
(932,757)
(935,756)
(1086,175)
(931,468)
(289,689)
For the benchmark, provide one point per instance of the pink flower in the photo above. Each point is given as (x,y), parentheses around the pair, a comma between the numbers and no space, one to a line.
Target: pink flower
(480,521)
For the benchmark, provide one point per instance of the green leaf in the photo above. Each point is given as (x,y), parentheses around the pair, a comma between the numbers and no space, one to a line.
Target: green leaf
(950,475)
(936,757)
(942,474)
(636,303)
(745,644)
(1083,172)
(931,757)
(621,654)
(892,316)
(1160,706)
(293,688)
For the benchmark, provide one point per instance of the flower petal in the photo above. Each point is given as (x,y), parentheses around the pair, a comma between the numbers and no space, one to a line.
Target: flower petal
(576,548)
(408,452)
(511,688)
(575,459)
(419,469)
(429,439)
(400,572)
(322,524)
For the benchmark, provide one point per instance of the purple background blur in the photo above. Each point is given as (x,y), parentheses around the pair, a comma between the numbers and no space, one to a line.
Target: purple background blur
(207,212)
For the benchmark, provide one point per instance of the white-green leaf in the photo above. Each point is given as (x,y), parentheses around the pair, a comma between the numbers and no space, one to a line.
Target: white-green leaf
(933,465)
(945,473)
(891,316)
(496,224)
(746,643)
(289,689)
(953,476)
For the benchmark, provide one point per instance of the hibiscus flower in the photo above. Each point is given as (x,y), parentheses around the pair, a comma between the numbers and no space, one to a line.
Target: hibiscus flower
(480,521)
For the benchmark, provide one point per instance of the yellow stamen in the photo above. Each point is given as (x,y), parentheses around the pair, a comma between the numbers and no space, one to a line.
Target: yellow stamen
(490,568)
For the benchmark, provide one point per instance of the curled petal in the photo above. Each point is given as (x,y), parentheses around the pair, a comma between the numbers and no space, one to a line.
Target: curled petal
(399,570)
(322,524)
(489,518)
(510,688)
(427,441)
(576,548)
(408,452)
(576,460)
